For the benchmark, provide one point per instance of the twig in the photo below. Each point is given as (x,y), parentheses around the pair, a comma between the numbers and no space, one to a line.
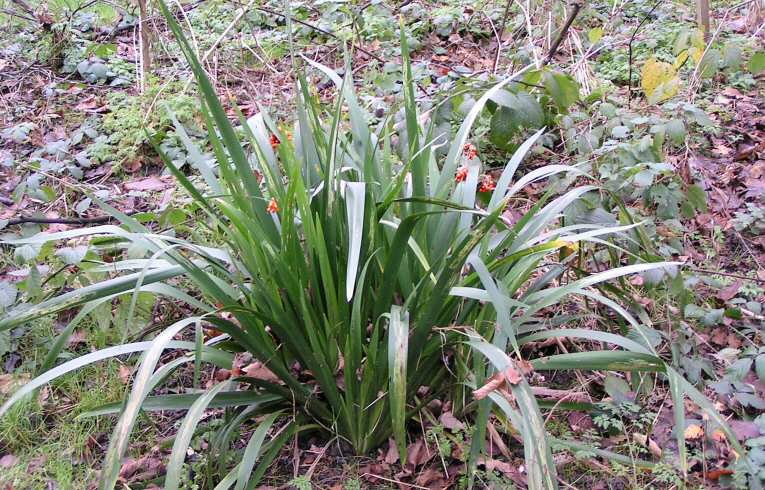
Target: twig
(16,14)
(555,45)
(499,44)
(391,480)
(629,46)
(66,221)
(319,29)
(727,274)
(24,6)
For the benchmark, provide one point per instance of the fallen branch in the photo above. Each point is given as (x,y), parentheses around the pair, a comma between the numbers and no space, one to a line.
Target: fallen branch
(66,221)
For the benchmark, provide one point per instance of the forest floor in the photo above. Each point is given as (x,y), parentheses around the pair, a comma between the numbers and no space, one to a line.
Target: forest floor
(75,105)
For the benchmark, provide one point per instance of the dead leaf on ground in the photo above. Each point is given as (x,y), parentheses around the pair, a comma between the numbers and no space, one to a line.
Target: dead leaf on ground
(580,421)
(392,455)
(258,371)
(77,337)
(124,373)
(501,466)
(152,183)
(9,382)
(430,478)
(729,292)
(145,468)
(36,464)
(646,441)
(451,422)
(693,432)
(512,375)
(8,460)
(417,454)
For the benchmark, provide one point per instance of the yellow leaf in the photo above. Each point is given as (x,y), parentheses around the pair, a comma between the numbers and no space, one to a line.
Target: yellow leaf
(681,59)
(694,431)
(660,81)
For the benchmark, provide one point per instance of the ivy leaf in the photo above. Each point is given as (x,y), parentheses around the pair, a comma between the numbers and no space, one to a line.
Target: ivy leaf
(659,81)
(26,253)
(620,132)
(82,206)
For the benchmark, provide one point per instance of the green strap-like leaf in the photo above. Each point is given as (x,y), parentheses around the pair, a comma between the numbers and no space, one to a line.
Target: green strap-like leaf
(185,433)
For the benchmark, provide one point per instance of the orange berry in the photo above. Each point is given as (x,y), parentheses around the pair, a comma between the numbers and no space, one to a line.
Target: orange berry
(487,183)
(461,174)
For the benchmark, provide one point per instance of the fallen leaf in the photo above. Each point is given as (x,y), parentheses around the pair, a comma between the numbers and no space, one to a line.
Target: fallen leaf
(124,373)
(719,436)
(727,293)
(9,382)
(580,421)
(716,474)
(417,454)
(510,375)
(36,464)
(8,460)
(258,371)
(693,432)
(451,422)
(501,466)
(429,478)
(646,441)
(152,183)
(77,337)
(744,429)
(494,383)
(145,468)
(392,455)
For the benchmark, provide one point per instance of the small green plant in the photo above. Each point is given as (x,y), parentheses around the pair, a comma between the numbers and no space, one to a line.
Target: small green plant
(301,482)
(618,417)
(752,220)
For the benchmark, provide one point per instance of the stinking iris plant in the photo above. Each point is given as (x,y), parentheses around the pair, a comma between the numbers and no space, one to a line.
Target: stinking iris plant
(377,274)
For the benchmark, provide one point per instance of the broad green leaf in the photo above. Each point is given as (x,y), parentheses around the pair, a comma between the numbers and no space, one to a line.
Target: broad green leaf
(757,63)
(186,432)
(252,451)
(504,126)
(562,88)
